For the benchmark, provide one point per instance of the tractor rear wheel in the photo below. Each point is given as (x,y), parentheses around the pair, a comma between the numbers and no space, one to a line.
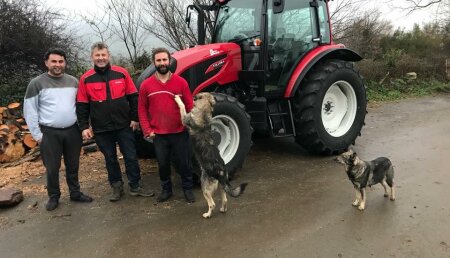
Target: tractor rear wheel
(232,131)
(329,108)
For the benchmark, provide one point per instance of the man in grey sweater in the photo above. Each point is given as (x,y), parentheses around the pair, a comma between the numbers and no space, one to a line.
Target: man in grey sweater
(49,110)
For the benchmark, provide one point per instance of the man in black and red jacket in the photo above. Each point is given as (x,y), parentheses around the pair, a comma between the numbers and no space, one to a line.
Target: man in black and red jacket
(107,107)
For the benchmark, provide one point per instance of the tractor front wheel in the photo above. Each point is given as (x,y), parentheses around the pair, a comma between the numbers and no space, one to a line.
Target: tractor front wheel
(232,131)
(330,108)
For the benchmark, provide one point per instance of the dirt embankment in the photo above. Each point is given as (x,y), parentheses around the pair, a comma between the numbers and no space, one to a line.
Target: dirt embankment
(31,179)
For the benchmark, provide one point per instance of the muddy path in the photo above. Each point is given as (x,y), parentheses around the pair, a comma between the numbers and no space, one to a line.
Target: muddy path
(296,205)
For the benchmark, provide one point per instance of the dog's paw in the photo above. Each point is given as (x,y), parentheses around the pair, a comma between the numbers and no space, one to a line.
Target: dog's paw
(392,198)
(361,207)
(223,209)
(386,195)
(206,215)
(355,203)
(178,100)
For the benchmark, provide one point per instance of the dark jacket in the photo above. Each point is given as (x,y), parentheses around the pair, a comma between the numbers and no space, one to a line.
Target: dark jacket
(107,99)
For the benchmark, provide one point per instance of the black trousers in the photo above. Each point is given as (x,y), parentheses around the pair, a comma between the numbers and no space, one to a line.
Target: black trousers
(176,147)
(55,143)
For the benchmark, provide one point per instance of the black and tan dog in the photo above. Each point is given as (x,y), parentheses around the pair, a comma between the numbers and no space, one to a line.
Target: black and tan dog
(212,166)
(367,173)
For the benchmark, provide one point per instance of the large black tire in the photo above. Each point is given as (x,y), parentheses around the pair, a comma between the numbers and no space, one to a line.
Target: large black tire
(233,131)
(329,108)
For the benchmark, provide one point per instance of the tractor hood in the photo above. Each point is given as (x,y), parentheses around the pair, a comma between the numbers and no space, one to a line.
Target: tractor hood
(204,66)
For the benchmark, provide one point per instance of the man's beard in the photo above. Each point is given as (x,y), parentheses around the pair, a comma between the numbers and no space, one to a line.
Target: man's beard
(162,69)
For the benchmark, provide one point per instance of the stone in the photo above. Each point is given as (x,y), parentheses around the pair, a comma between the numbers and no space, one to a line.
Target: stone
(10,196)
(411,76)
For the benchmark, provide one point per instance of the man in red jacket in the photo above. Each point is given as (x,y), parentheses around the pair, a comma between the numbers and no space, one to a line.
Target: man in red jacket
(160,120)
(107,102)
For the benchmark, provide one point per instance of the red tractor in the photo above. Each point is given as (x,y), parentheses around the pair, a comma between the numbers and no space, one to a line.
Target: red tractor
(274,70)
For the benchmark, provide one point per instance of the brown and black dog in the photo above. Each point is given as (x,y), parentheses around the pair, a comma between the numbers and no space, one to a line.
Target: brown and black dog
(212,166)
(367,173)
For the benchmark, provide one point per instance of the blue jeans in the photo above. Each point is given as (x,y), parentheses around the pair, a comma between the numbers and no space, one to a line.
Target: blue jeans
(106,142)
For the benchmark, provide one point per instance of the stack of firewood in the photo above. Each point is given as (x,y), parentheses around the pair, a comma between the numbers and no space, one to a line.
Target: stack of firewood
(15,138)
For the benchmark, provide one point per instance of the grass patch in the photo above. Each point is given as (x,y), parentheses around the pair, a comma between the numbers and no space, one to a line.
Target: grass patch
(400,89)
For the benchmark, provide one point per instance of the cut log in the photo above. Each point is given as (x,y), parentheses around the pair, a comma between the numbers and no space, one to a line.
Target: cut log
(14,149)
(13,128)
(14,110)
(2,110)
(30,156)
(14,105)
(4,128)
(20,121)
(29,141)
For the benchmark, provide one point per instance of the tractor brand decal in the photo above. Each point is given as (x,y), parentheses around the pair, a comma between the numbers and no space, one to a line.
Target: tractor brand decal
(218,64)
(215,66)
(214,52)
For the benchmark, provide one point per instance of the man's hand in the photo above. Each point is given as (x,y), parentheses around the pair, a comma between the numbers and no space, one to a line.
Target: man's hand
(87,134)
(134,125)
(150,137)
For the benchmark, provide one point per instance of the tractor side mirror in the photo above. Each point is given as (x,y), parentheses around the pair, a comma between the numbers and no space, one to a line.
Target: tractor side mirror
(278,6)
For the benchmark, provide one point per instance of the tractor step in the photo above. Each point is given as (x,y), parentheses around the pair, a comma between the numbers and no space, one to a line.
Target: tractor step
(280,118)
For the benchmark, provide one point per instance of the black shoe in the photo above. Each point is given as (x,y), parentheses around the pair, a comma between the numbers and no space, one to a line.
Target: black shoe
(117,191)
(164,196)
(189,196)
(51,204)
(139,191)
(81,198)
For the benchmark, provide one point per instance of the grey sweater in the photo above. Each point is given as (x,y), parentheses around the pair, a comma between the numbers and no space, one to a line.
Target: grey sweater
(50,101)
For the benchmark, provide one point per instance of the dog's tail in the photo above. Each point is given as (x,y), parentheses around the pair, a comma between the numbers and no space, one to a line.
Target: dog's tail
(236,191)
(390,176)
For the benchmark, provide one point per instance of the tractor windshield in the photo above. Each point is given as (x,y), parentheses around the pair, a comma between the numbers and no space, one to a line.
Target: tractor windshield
(238,21)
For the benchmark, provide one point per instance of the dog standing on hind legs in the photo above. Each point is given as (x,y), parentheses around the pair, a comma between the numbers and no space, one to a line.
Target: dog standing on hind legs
(212,166)
(367,173)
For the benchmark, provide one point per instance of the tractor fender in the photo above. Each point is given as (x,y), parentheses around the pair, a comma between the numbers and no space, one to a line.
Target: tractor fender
(321,53)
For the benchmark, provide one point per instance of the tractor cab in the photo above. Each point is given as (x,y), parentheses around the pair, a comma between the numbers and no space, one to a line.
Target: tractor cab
(274,35)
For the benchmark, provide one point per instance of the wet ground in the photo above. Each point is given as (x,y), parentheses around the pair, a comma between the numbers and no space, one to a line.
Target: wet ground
(296,205)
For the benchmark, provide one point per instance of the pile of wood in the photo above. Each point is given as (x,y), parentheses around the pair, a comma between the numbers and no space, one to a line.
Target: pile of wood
(15,138)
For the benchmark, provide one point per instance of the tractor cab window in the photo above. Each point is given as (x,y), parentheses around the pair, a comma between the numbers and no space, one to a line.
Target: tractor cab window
(290,36)
(238,21)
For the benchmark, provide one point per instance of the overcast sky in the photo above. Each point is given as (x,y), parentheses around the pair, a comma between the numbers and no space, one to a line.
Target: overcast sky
(398,18)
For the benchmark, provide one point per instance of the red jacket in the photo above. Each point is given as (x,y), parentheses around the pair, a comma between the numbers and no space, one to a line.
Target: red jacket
(158,111)
(107,99)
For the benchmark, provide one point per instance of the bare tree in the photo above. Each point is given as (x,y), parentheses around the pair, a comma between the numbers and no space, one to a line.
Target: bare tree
(440,7)
(413,5)
(166,21)
(343,15)
(126,18)
(100,26)
(365,33)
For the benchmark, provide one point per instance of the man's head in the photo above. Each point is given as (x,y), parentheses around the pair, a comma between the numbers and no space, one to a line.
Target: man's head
(161,60)
(100,54)
(55,60)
